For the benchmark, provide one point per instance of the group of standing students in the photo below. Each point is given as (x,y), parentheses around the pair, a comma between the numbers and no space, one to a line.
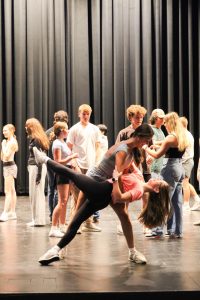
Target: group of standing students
(120,176)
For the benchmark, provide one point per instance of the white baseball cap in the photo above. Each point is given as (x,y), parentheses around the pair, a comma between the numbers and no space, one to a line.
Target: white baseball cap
(158,113)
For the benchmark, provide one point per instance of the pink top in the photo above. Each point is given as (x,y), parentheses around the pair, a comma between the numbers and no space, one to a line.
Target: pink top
(132,182)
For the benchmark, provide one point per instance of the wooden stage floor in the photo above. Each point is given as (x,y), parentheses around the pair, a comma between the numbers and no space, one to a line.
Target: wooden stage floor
(97,265)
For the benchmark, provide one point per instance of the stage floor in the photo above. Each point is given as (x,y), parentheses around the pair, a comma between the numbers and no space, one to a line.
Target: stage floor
(97,265)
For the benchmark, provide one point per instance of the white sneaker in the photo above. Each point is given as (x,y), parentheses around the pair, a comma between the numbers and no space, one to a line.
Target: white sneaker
(119,229)
(56,233)
(90,227)
(186,207)
(4,217)
(197,223)
(31,224)
(50,256)
(12,216)
(40,157)
(63,253)
(196,206)
(137,257)
(63,228)
(147,231)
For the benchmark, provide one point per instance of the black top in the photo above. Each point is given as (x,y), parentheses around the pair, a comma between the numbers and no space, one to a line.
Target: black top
(174,153)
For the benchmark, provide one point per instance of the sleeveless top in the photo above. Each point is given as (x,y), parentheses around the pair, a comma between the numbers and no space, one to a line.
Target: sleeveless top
(105,168)
(174,153)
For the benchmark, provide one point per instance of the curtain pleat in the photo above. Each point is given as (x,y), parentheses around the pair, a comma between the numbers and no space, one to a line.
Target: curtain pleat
(107,53)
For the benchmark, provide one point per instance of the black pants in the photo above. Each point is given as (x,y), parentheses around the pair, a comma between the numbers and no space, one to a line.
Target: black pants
(98,196)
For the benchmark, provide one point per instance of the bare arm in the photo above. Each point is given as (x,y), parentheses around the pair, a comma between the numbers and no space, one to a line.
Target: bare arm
(57,157)
(169,141)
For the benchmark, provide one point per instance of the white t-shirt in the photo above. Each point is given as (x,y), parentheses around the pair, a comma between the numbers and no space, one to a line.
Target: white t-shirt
(65,151)
(189,151)
(84,139)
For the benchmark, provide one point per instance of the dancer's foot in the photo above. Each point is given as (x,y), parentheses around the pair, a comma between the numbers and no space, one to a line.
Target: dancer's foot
(50,256)
(40,157)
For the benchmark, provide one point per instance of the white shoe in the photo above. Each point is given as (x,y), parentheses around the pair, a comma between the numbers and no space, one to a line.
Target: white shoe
(40,157)
(137,257)
(186,207)
(196,206)
(50,256)
(63,253)
(12,216)
(63,228)
(119,229)
(147,231)
(90,227)
(4,217)
(197,223)
(56,233)
(31,224)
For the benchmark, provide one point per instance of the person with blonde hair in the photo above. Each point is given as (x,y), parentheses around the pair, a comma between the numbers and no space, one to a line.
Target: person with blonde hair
(84,138)
(37,172)
(173,146)
(9,147)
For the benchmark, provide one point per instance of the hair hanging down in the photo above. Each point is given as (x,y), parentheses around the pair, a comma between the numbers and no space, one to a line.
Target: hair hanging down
(157,209)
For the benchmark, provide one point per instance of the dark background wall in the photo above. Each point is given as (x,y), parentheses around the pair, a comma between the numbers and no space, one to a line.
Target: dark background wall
(107,53)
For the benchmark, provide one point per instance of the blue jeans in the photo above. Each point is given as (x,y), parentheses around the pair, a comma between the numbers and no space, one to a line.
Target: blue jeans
(173,173)
(52,191)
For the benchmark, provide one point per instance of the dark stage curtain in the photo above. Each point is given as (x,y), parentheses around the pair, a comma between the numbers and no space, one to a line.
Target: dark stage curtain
(58,54)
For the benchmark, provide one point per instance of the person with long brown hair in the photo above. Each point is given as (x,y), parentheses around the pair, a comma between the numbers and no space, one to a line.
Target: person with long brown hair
(37,172)
(63,155)
(9,147)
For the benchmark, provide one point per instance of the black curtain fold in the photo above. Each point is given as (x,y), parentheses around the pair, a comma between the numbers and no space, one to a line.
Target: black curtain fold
(107,53)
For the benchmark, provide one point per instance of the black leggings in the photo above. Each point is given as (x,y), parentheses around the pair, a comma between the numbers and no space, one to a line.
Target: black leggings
(98,196)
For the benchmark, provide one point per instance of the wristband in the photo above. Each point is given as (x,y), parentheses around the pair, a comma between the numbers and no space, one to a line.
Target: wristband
(114,179)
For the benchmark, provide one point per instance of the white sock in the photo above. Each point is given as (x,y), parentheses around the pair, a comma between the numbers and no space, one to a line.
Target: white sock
(132,250)
(56,248)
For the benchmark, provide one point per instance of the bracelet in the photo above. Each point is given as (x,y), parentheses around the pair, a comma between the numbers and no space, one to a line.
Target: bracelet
(114,179)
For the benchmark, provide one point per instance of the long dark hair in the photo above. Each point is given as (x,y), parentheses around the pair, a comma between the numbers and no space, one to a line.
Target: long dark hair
(157,209)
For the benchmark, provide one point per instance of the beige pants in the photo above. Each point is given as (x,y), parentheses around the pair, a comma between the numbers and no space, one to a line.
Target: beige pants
(37,195)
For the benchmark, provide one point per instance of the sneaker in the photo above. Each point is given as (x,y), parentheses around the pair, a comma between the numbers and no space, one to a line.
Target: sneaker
(137,257)
(63,253)
(4,217)
(196,206)
(196,223)
(154,234)
(12,216)
(31,224)
(90,227)
(146,230)
(49,257)
(95,219)
(186,207)
(63,228)
(56,233)
(120,230)
(79,231)
(40,157)
(175,236)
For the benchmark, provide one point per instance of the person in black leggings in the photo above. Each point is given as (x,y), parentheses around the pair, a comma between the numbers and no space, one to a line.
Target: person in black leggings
(99,195)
